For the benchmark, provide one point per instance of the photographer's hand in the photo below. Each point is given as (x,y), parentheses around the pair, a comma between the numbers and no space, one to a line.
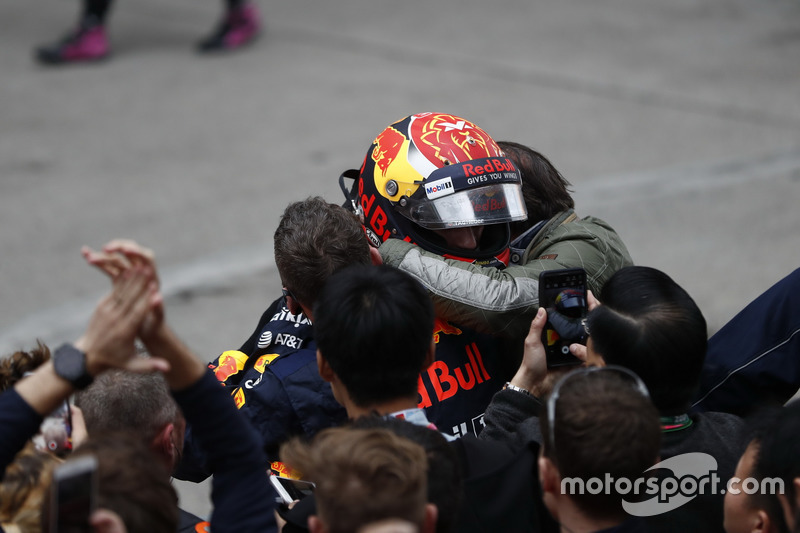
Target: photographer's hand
(533,374)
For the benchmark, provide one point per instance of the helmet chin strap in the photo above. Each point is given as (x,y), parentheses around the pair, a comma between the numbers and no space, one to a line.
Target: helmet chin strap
(350,200)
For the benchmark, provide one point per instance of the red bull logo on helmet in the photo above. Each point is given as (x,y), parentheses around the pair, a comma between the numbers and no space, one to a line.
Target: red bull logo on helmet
(387,145)
(489,204)
(492,165)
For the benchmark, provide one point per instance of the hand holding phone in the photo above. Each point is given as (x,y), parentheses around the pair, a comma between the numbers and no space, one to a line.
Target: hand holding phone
(563,294)
(74,494)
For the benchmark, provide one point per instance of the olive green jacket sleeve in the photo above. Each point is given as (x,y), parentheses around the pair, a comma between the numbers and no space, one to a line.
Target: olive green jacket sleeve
(503,302)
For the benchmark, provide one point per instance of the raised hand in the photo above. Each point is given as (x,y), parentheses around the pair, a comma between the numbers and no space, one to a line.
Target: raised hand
(120,256)
(109,339)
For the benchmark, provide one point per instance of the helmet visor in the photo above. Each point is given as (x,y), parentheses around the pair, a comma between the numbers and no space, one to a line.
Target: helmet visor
(490,204)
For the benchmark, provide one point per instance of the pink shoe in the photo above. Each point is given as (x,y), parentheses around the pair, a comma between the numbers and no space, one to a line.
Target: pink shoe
(239,27)
(87,43)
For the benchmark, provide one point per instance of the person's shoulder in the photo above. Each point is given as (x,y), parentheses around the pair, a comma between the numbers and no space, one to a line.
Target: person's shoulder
(295,360)
(569,221)
(719,421)
(481,457)
(280,333)
(717,434)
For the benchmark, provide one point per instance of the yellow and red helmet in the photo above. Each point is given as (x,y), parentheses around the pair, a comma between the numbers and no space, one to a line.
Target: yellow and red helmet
(434,171)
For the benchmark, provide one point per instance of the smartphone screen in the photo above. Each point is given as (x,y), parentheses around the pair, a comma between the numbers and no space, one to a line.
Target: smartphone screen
(55,432)
(74,488)
(563,295)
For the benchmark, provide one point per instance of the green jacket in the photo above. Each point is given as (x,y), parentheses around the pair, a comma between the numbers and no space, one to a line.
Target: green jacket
(503,302)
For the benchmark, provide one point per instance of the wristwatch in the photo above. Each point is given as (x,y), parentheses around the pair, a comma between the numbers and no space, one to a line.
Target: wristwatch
(70,364)
(509,386)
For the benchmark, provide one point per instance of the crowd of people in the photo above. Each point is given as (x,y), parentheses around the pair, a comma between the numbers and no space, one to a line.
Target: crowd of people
(403,371)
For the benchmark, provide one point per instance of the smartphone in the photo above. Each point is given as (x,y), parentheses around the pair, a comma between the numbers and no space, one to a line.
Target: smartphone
(563,295)
(74,494)
(55,432)
(290,490)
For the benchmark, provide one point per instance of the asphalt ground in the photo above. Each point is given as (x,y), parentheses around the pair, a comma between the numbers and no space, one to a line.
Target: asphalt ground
(678,122)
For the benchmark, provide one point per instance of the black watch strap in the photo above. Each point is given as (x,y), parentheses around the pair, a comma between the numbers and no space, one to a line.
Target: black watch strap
(70,364)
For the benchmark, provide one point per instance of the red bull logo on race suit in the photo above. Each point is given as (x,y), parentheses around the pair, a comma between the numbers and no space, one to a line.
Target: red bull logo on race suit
(229,363)
(446,381)
(441,326)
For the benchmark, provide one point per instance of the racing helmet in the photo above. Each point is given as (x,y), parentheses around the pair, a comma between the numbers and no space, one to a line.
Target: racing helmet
(434,171)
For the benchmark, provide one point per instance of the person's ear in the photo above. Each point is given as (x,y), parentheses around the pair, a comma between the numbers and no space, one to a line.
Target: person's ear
(788,507)
(549,477)
(105,521)
(761,522)
(793,512)
(315,525)
(164,446)
(293,305)
(325,370)
(796,483)
(431,516)
(375,256)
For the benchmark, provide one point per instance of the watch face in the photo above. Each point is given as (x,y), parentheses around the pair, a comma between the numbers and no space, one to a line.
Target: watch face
(70,364)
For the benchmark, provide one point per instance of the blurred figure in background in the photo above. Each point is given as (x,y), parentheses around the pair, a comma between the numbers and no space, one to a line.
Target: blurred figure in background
(240,24)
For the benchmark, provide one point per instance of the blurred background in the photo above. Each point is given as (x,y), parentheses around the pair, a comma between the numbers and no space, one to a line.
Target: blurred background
(676,121)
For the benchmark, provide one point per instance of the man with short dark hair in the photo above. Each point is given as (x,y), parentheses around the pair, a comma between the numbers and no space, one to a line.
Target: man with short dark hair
(650,324)
(125,401)
(374,334)
(141,405)
(602,425)
(545,190)
(273,376)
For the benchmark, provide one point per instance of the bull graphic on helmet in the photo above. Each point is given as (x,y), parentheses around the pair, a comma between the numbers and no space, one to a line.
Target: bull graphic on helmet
(432,172)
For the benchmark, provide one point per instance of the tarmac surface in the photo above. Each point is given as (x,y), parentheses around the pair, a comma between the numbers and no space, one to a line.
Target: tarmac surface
(677,122)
